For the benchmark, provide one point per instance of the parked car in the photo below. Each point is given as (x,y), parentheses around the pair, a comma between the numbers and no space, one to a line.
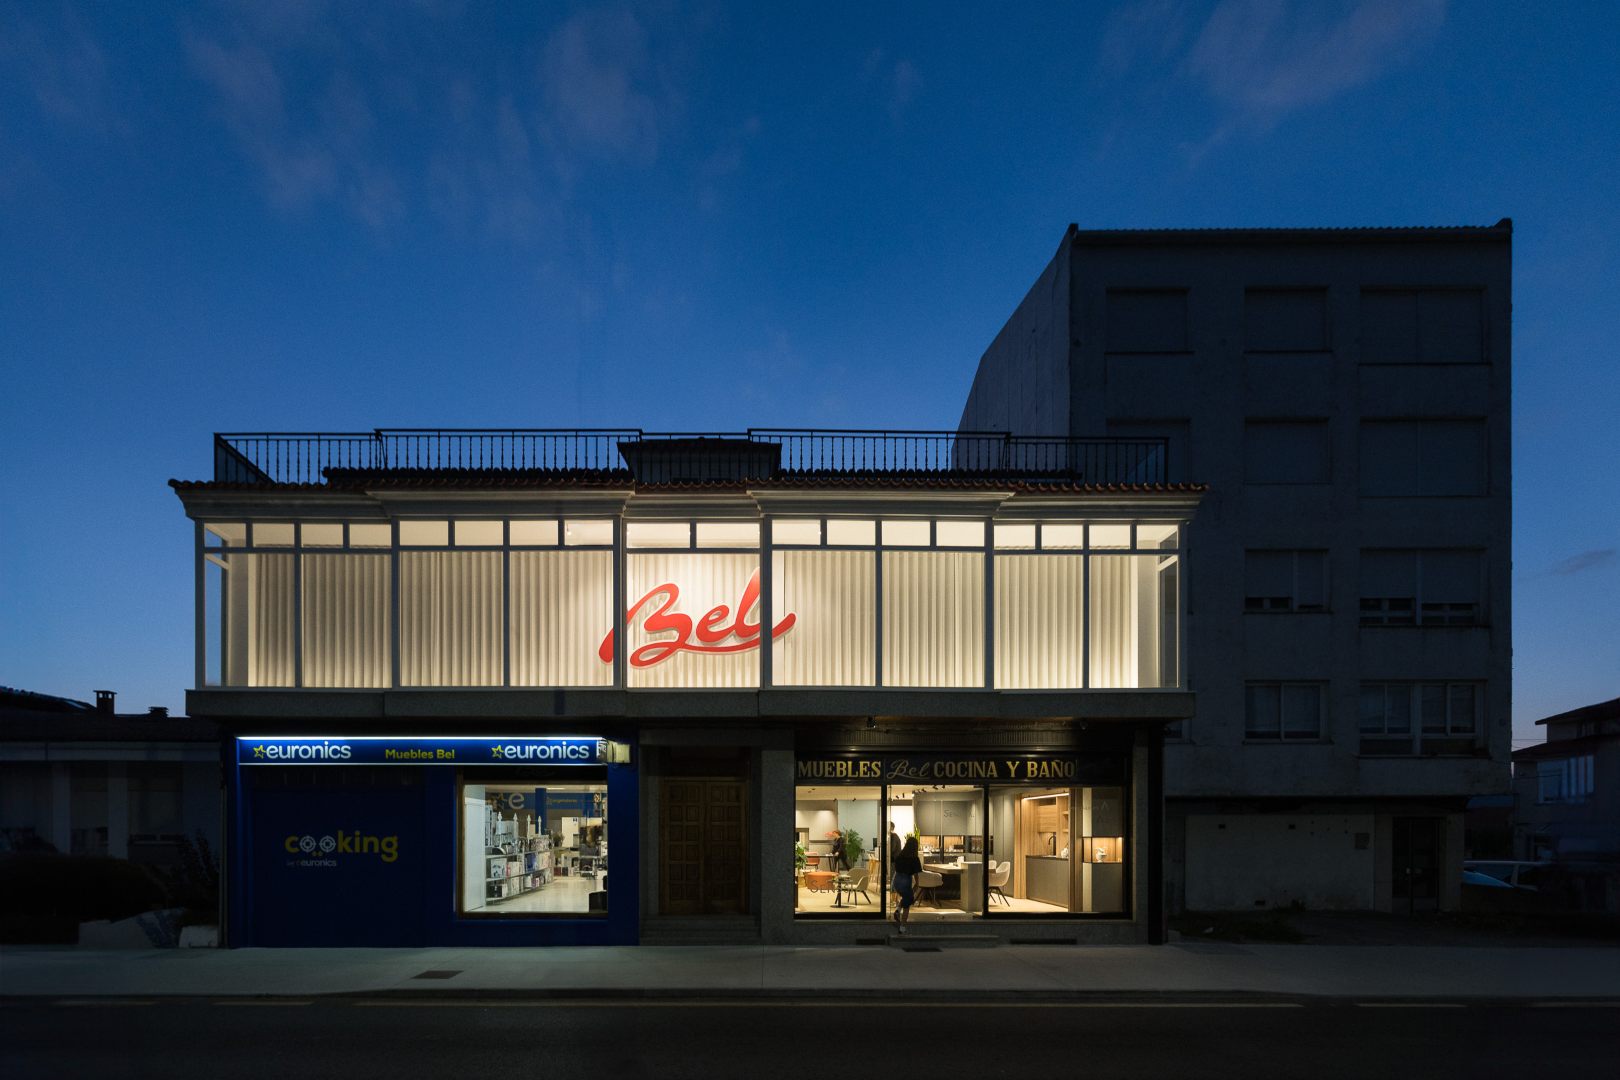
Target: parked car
(1505,873)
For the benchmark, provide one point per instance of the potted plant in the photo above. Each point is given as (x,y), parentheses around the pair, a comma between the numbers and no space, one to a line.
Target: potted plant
(798,870)
(853,848)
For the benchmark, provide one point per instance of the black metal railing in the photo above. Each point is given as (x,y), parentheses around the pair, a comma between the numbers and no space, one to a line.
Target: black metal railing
(758,453)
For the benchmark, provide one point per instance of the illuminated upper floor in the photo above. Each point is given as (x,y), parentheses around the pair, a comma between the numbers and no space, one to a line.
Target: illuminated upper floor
(620,560)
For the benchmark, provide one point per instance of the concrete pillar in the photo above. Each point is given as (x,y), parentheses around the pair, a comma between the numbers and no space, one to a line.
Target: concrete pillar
(61,823)
(775,852)
(118,809)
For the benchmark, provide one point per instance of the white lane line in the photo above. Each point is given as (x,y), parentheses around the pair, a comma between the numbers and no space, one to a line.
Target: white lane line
(641,1003)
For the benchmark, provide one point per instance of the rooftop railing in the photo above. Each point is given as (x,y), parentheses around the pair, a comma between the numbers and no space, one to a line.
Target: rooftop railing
(758,453)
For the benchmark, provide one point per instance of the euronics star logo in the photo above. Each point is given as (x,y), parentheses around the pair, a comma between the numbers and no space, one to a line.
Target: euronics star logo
(258,751)
(495,751)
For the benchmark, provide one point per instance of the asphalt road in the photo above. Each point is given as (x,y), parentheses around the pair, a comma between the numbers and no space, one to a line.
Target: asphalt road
(772,1039)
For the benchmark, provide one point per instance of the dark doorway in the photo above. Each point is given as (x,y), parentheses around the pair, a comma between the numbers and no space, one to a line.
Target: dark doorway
(1415,887)
(704,826)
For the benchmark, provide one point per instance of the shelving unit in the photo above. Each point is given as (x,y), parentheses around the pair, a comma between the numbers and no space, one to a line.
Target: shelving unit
(515,862)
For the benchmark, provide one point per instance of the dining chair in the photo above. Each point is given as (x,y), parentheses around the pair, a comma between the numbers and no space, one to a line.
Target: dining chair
(925,883)
(999,872)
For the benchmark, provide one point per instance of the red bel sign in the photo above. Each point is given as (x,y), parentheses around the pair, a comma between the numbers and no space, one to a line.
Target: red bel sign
(711,632)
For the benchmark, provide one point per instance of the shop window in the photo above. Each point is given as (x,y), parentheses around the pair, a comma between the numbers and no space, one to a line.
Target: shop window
(321,534)
(371,535)
(839,856)
(533,844)
(533,533)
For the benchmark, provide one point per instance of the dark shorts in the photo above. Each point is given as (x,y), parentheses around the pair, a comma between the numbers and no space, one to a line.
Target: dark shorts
(902,885)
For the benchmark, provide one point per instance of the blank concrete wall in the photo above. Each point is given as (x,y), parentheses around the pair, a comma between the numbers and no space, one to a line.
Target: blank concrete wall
(1255,862)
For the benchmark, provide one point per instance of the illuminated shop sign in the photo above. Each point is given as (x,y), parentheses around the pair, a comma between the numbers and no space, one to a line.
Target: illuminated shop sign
(385,750)
(721,629)
(939,769)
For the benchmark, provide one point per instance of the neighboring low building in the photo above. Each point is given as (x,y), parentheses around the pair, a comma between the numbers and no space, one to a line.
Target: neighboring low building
(83,779)
(1568,803)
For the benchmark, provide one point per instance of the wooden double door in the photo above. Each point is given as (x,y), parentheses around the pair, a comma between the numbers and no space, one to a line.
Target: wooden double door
(704,830)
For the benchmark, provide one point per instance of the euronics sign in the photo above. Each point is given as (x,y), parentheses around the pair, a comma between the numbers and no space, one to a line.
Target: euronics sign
(388,750)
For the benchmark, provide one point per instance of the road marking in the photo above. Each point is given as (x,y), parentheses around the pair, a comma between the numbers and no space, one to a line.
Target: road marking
(643,1003)
(1410,1005)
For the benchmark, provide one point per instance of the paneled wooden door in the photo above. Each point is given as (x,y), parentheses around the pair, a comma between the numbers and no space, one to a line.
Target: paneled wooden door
(705,847)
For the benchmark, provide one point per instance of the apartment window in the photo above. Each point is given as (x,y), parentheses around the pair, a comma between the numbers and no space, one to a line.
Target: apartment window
(1419,717)
(1285,320)
(1422,588)
(1286,452)
(1422,326)
(1282,710)
(1147,321)
(1422,457)
(1566,781)
(1285,581)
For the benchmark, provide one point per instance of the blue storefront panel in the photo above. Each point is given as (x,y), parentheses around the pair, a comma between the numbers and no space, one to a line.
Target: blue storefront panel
(356,841)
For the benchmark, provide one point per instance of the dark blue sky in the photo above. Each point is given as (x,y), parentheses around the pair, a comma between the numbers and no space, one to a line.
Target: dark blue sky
(216,217)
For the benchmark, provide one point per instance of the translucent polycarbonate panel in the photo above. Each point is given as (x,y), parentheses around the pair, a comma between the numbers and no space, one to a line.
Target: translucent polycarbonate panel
(1040,617)
(796,532)
(371,535)
(1110,536)
(1012,537)
(1134,613)
(346,620)
(272,534)
(933,618)
(225,534)
(424,534)
(905,534)
(658,534)
(533,533)
(320,534)
(450,618)
(728,534)
(1063,536)
(846,532)
(598,533)
(962,534)
(833,598)
(685,628)
(257,620)
(561,608)
(480,534)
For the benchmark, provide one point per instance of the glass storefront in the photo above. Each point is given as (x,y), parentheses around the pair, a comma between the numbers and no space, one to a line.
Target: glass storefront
(533,842)
(1030,837)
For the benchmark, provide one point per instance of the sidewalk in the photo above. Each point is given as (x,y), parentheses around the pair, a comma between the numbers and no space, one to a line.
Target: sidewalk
(916,971)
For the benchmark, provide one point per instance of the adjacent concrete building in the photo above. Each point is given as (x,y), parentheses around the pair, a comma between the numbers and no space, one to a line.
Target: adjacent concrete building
(1567,806)
(1345,394)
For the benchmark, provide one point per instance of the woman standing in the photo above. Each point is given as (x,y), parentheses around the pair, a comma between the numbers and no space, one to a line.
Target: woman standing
(906,867)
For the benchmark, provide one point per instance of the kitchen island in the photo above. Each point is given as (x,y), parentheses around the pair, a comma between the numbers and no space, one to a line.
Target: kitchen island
(1046,878)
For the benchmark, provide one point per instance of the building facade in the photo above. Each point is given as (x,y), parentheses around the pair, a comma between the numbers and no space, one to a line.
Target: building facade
(1567,805)
(580,687)
(83,779)
(1346,395)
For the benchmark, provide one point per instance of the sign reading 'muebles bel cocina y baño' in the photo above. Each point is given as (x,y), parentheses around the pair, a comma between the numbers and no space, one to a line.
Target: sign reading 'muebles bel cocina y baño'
(383,750)
(937,769)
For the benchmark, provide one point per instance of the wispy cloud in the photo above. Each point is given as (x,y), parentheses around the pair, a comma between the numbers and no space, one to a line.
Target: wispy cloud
(600,91)
(61,64)
(896,80)
(1260,61)
(1586,560)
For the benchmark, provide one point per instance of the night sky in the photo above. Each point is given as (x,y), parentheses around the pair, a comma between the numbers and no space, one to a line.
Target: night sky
(708,217)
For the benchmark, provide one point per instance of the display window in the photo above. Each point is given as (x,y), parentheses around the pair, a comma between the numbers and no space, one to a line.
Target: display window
(1022,848)
(534,842)
(839,864)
